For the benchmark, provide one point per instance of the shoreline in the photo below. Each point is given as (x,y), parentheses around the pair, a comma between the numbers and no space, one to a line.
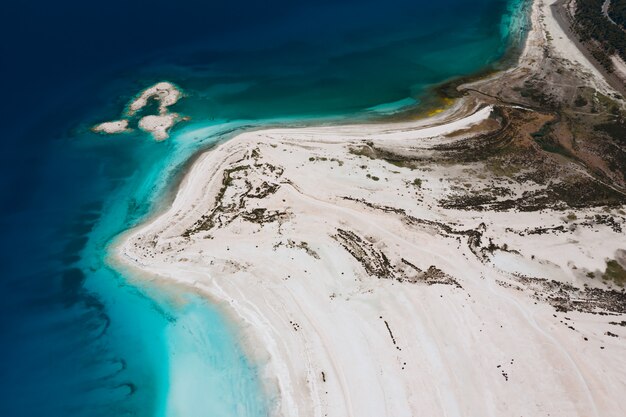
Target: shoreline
(438,92)
(142,275)
(277,373)
(561,15)
(245,326)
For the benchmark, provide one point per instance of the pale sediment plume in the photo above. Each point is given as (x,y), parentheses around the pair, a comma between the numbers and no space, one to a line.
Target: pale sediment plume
(434,267)
(116,126)
(159,125)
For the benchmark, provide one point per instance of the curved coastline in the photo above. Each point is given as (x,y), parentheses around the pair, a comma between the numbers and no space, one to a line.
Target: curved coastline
(251,339)
(437,99)
(293,397)
(456,117)
(89,336)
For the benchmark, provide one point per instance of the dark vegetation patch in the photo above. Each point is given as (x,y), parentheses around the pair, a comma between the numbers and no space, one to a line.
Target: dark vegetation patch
(548,142)
(565,297)
(617,12)
(369,150)
(261,215)
(591,222)
(580,101)
(601,36)
(535,91)
(577,193)
(299,245)
(229,206)
(616,130)
(562,296)
(324,159)
(473,236)
(587,126)
(615,272)
(431,276)
(376,263)
(529,148)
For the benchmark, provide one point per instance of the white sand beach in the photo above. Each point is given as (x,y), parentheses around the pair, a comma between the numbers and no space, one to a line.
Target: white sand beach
(362,290)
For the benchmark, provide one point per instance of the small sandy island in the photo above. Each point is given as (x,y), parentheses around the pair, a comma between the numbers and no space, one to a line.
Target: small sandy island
(115,126)
(158,125)
(468,264)
(167,94)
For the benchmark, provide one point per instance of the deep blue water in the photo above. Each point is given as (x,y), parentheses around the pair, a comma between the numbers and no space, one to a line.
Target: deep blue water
(79,339)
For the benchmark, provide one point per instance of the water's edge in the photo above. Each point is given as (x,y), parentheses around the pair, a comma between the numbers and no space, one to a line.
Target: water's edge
(191,328)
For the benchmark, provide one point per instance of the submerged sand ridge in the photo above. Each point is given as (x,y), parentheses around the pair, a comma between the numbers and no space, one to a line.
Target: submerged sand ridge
(462,265)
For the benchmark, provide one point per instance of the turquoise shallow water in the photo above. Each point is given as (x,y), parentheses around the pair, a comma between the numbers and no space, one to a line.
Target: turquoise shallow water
(203,355)
(81,339)
(190,363)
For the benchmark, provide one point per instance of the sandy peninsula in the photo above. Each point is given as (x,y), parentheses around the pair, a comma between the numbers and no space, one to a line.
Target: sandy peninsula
(447,266)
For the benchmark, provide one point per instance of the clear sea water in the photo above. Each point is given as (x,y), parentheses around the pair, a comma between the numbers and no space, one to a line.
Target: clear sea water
(78,338)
